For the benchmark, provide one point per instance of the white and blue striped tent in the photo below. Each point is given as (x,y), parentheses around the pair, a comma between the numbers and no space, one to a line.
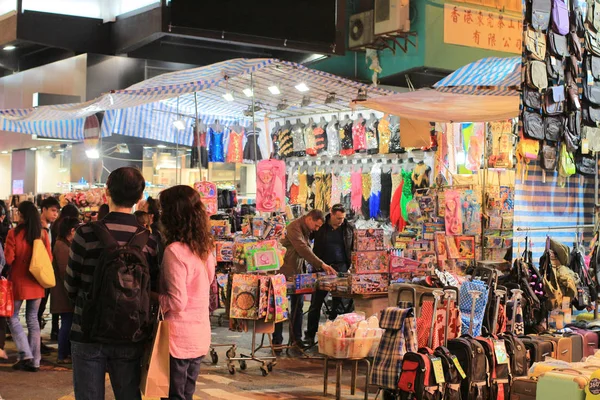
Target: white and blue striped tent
(491,76)
(149,108)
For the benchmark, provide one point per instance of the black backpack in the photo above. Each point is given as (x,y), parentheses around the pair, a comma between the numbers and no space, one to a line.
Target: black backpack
(452,375)
(117,309)
(586,287)
(472,359)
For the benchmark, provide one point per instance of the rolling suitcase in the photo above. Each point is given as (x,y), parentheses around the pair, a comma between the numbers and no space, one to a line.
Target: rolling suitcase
(576,346)
(590,341)
(523,388)
(562,384)
(563,350)
(538,349)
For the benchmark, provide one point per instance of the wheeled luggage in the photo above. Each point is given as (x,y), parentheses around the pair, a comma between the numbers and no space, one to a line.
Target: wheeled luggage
(562,384)
(576,346)
(523,388)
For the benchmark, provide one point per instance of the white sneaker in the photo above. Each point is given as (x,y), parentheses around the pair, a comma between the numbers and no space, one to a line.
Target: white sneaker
(3,355)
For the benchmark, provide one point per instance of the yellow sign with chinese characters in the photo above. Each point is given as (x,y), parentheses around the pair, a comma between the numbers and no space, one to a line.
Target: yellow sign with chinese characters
(482,29)
(506,5)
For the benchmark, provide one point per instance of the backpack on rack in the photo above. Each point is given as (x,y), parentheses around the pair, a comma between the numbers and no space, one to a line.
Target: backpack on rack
(554,126)
(578,14)
(549,157)
(560,17)
(472,359)
(566,164)
(453,373)
(499,368)
(573,131)
(417,378)
(517,354)
(586,288)
(117,309)
(586,165)
(536,75)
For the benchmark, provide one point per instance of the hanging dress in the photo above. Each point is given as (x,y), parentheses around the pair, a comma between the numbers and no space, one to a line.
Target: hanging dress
(395,138)
(252,151)
(383,130)
(359,136)
(275,135)
(302,189)
(366,194)
(310,201)
(346,146)
(285,143)
(372,137)
(294,187)
(235,147)
(386,194)
(309,140)
(216,150)
(407,194)
(336,190)
(375,199)
(333,139)
(298,140)
(322,189)
(199,156)
(346,189)
(396,208)
(320,139)
(356,192)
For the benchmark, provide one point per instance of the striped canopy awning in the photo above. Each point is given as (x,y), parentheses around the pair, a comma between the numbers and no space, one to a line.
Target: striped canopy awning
(148,109)
(491,76)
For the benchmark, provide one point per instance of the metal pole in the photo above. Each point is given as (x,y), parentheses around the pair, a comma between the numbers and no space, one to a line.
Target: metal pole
(197,133)
(484,186)
(253,119)
(556,228)
(475,294)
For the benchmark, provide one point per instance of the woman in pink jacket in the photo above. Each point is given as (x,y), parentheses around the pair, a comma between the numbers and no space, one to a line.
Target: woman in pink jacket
(188,268)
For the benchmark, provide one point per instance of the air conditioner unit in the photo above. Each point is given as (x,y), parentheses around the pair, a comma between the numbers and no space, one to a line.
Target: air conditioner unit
(392,16)
(361,29)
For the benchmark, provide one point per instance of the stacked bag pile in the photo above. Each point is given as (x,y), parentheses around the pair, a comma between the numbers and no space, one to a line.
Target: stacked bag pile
(560,127)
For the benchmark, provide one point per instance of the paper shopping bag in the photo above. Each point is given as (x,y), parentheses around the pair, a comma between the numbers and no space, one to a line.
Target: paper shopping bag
(155,367)
(7,302)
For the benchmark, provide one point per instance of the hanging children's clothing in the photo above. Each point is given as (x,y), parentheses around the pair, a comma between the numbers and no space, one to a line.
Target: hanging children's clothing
(310,201)
(359,135)
(346,144)
(333,139)
(356,192)
(270,186)
(375,199)
(294,187)
(383,131)
(235,147)
(215,148)
(252,150)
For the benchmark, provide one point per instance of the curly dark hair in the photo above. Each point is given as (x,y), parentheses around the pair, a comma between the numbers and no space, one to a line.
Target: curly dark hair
(184,219)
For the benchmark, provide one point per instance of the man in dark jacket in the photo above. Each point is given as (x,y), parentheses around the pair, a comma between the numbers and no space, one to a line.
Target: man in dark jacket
(333,245)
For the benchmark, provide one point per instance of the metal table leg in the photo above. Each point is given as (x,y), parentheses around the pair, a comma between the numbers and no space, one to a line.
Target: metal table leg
(354,373)
(367,377)
(338,380)
(326,376)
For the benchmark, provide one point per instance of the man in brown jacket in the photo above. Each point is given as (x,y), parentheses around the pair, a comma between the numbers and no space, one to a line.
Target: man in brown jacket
(298,250)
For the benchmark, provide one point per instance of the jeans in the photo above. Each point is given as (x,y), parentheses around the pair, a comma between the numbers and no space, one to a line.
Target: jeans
(92,360)
(64,343)
(296,317)
(27,345)
(183,375)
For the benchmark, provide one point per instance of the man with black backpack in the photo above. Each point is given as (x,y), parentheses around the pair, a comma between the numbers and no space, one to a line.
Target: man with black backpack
(108,279)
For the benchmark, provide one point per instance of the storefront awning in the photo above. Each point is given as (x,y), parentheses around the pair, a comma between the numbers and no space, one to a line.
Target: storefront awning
(492,76)
(434,106)
(149,108)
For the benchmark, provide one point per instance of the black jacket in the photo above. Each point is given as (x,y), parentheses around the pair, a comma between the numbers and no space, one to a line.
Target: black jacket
(320,245)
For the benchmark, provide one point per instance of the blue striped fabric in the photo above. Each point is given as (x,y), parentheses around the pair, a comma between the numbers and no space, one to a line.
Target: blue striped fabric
(491,76)
(148,109)
(540,205)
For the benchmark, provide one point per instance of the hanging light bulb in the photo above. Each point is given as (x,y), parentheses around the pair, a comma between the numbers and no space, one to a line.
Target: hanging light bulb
(179,124)
(248,92)
(228,96)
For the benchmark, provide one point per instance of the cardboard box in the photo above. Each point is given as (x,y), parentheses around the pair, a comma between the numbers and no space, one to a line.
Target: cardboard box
(402,264)
(224,251)
(306,283)
(369,283)
(368,240)
(370,262)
